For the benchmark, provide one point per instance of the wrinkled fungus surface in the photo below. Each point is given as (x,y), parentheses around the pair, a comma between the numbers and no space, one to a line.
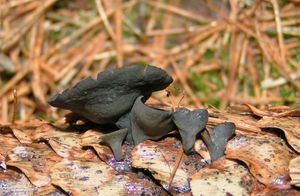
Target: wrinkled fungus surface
(113,93)
(118,97)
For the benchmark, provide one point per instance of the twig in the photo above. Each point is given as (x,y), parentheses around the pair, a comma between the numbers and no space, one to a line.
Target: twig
(17,78)
(15,3)
(15,36)
(279,31)
(176,166)
(271,83)
(119,32)
(85,28)
(177,10)
(90,58)
(178,104)
(75,61)
(170,96)
(105,19)
(4,107)
(160,41)
(211,29)
(15,107)
(36,52)
(182,79)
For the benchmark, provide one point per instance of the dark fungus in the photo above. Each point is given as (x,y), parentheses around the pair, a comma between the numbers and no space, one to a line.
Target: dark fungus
(216,139)
(189,124)
(113,93)
(114,140)
(125,122)
(149,123)
(117,97)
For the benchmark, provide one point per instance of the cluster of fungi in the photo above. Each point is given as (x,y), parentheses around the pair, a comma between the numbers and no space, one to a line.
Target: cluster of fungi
(117,97)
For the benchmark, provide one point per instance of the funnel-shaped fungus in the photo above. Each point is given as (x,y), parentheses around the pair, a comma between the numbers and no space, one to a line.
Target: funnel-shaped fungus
(216,139)
(189,124)
(113,93)
(149,123)
(117,97)
(114,141)
(125,122)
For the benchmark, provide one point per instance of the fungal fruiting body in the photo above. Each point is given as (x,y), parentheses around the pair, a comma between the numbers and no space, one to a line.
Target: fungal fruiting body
(113,93)
(149,123)
(189,124)
(118,97)
(217,138)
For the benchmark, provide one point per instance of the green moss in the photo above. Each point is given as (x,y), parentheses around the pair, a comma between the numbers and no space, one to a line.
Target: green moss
(224,56)
(285,92)
(60,4)
(251,90)
(198,82)
(127,33)
(45,117)
(215,102)
(282,3)
(216,80)
(113,60)
(55,35)
(140,63)
(172,41)
(208,55)
(297,56)
(274,72)
(91,3)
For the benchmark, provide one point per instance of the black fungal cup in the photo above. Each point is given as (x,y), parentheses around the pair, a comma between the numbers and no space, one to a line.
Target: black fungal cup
(113,93)
(189,124)
(149,123)
(216,139)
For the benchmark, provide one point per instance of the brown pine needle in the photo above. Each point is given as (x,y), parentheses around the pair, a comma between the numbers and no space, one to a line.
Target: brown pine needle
(15,106)
(176,166)
(279,31)
(119,31)
(4,108)
(169,95)
(178,104)
(105,19)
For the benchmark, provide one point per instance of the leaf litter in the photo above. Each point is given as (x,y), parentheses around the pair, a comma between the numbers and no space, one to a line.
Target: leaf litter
(35,161)
(267,157)
(289,125)
(270,164)
(294,169)
(14,183)
(160,157)
(223,177)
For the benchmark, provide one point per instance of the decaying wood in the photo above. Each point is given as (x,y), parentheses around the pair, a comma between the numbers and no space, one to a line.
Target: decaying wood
(67,161)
